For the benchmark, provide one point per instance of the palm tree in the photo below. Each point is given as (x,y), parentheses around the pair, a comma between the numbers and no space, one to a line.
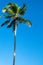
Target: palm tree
(13,13)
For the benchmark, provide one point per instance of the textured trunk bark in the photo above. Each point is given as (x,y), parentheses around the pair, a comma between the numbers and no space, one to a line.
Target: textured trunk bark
(14,56)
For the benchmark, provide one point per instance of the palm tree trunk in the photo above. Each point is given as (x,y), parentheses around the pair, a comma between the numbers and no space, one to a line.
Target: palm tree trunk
(14,56)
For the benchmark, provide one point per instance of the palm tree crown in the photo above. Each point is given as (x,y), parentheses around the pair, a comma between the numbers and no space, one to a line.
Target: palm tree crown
(14,12)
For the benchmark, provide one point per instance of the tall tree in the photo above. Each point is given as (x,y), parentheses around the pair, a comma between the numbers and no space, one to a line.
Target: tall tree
(13,13)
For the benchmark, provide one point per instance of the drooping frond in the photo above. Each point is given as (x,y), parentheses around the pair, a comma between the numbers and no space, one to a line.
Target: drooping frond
(8,10)
(4,10)
(10,24)
(6,22)
(13,7)
(22,20)
(22,10)
(9,16)
(13,22)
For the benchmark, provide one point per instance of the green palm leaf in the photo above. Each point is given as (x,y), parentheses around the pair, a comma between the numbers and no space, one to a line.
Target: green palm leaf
(9,25)
(22,10)
(9,16)
(14,7)
(4,10)
(22,20)
(12,23)
(8,10)
(6,22)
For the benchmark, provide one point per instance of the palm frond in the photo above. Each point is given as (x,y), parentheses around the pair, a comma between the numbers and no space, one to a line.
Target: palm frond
(8,10)
(8,16)
(9,25)
(13,7)
(13,22)
(22,10)
(6,22)
(22,20)
(4,10)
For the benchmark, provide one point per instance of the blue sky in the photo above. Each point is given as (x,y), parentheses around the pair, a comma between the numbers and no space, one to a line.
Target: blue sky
(29,41)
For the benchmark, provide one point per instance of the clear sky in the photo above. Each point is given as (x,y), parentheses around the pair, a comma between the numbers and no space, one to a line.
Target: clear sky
(29,41)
